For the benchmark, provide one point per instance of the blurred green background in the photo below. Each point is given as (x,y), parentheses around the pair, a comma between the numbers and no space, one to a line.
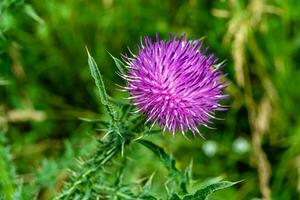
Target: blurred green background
(45,87)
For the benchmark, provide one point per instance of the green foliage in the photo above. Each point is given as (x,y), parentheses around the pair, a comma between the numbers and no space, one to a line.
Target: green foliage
(88,182)
(7,175)
(119,64)
(203,193)
(168,161)
(52,116)
(10,185)
(101,87)
(9,9)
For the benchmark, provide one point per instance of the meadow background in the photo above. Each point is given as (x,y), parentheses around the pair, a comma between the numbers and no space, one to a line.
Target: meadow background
(46,87)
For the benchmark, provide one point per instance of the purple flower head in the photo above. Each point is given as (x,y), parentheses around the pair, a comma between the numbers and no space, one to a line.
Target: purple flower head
(175,84)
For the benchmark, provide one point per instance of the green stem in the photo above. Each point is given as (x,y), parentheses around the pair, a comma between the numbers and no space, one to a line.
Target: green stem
(90,168)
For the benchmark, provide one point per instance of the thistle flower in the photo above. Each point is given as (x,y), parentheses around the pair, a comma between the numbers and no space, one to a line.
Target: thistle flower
(174,83)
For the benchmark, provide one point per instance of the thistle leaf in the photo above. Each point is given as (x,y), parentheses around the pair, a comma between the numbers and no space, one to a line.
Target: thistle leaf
(187,177)
(167,160)
(203,193)
(120,65)
(98,78)
(92,120)
(101,87)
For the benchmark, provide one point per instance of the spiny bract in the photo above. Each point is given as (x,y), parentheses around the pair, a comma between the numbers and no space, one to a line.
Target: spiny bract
(174,83)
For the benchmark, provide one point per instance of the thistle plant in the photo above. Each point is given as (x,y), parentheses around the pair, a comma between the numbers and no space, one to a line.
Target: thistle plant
(173,84)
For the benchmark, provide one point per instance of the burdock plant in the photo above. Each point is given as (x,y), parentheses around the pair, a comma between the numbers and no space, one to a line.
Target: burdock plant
(174,84)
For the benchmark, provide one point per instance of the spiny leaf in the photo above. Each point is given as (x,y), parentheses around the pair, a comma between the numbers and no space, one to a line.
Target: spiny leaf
(126,109)
(187,177)
(120,176)
(101,87)
(167,160)
(203,193)
(98,78)
(91,120)
(120,65)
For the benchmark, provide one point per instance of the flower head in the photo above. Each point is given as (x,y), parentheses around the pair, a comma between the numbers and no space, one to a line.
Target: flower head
(174,83)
